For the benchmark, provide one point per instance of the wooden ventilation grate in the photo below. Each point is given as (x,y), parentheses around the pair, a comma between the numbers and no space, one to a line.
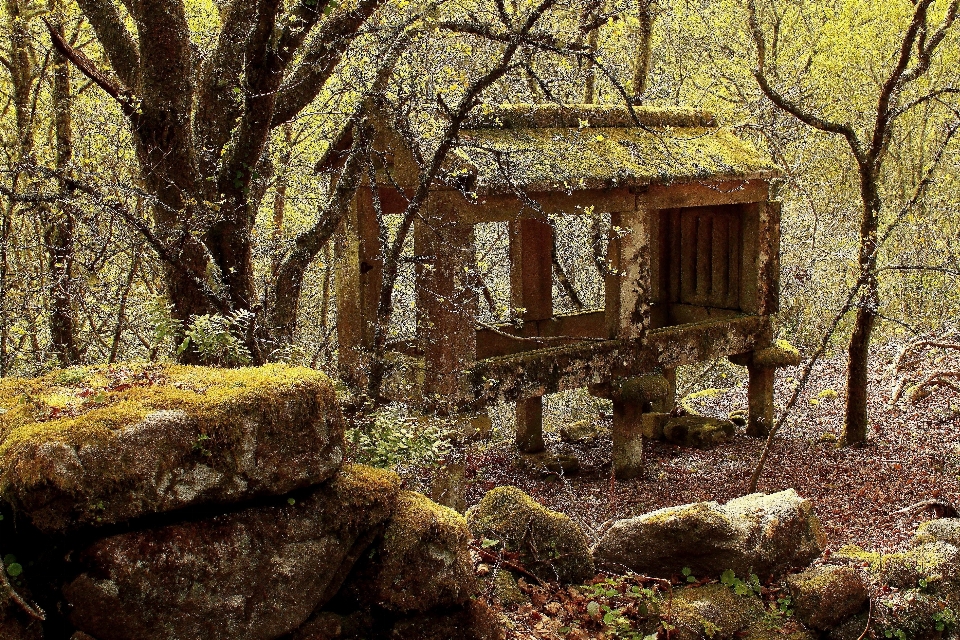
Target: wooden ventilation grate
(701,251)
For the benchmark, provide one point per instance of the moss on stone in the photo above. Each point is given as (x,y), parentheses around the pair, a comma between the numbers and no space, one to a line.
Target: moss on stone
(565,159)
(713,610)
(93,403)
(102,444)
(550,545)
(425,558)
(782,354)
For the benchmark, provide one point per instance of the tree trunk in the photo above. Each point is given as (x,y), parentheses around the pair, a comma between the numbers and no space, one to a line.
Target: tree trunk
(857,419)
(59,227)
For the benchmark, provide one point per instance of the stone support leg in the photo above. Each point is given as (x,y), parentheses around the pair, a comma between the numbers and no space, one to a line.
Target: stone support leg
(531,289)
(530,425)
(760,395)
(627,439)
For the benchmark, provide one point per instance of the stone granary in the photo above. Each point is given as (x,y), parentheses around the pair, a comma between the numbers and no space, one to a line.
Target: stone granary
(693,262)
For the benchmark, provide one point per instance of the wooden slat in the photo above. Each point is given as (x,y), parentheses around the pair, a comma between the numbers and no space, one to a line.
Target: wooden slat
(688,258)
(733,260)
(675,256)
(720,260)
(704,254)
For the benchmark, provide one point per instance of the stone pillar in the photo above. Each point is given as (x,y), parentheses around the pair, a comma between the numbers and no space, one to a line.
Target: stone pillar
(358,271)
(762,367)
(446,307)
(760,397)
(632,398)
(627,439)
(531,289)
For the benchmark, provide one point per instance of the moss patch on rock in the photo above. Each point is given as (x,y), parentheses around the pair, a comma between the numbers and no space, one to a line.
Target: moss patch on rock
(824,596)
(550,545)
(99,445)
(424,561)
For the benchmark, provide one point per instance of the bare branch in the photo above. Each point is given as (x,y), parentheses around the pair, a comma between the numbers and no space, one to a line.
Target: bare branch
(781,101)
(324,53)
(88,68)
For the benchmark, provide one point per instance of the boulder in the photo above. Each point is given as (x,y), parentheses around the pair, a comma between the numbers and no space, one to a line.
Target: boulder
(715,612)
(475,621)
(940,530)
(825,596)
(584,432)
(424,561)
(253,574)
(98,447)
(758,533)
(549,544)
(697,431)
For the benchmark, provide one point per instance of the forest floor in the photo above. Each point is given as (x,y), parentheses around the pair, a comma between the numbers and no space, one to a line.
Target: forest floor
(861,494)
(912,454)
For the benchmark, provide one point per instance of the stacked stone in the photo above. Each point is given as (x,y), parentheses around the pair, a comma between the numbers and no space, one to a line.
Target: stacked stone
(215,505)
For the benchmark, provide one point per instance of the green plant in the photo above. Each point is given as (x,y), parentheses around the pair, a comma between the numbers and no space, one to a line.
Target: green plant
(944,620)
(199,445)
(742,588)
(218,339)
(899,634)
(394,438)
(688,574)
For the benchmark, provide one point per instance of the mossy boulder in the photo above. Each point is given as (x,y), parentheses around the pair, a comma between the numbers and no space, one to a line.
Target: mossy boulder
(97,446)
(940,530)
(825,596)
(697,431)
(424,561)
(763,534)
(550,545)
(716,612)
(257,573)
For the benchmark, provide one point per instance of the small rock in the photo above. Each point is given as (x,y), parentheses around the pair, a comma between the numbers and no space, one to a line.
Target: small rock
(739,417)
(549,544)
(507,590)
(941,530)
(447,486)
(652,425)
(824,596)
(697,431)
(759,533)
(585,432)
(563,464)
(546,463)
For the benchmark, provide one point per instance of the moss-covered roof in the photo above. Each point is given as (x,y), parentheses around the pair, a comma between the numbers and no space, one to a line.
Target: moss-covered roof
(543,148)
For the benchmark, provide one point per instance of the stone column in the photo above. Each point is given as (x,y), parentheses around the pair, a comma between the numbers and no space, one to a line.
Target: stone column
(446,307)
(531,289)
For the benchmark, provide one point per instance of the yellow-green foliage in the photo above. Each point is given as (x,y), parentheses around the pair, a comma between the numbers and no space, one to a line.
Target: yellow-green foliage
(80,404)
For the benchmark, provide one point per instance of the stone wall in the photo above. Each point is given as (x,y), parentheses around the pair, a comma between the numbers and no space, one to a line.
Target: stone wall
(162,503)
